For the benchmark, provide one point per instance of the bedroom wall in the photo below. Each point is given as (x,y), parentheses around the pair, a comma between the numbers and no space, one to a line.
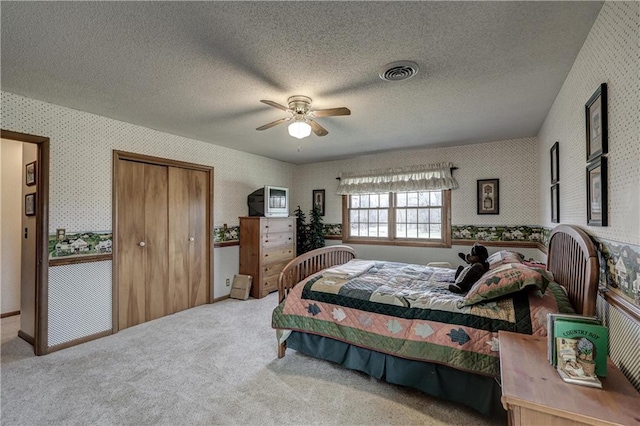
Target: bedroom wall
(514,162)
(80,197)
(610,54)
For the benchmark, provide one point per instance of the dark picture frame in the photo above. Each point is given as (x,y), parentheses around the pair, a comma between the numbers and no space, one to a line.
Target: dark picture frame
(488,196)
(30,204)
(597,203)
(30,174)
(555,162)
(597,123)
(318,200)
(555,203)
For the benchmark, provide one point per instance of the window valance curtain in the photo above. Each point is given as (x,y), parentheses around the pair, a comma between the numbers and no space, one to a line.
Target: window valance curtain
(432,177)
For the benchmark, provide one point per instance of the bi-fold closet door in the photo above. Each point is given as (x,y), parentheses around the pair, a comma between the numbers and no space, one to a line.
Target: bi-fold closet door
(162,240)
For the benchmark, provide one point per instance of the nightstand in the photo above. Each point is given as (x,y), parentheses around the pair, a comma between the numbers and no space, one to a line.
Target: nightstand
(534,394)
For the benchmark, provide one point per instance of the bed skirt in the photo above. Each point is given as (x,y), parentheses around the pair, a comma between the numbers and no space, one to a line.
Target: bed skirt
(482,393)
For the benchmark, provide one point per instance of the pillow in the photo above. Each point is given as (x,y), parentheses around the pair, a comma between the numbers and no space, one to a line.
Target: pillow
(503,257)
(562,299)
(504,280)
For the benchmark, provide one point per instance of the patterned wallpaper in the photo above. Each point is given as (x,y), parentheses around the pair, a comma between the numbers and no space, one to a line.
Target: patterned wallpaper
(80,193)
(514,162)
(610,54)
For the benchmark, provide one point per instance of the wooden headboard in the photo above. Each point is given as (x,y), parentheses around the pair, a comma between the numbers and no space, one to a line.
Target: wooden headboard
(573,260)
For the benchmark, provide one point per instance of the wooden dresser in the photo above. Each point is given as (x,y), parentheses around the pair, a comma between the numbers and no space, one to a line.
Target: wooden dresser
(534,394)
(266,245)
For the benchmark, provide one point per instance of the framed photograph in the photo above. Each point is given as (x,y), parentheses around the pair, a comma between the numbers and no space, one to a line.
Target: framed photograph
(597,123)
(555,203)
(555,166)
(597,192)
(30,175)
(318,200)
(30,204)
(489,196)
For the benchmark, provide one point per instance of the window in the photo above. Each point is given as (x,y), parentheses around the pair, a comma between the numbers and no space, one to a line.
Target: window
(399,218)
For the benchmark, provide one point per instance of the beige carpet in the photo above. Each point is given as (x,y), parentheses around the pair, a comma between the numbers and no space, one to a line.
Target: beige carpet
(215,364)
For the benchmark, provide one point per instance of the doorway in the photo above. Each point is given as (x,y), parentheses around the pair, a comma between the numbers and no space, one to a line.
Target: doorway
(34,224)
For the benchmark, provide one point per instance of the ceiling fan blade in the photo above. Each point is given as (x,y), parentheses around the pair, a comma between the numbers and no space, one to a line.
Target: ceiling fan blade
(331,112)
(275,105)
(273,123)
(317,129)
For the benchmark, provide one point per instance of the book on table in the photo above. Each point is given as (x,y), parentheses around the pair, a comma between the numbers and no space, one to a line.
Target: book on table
(551,343)
(580,351)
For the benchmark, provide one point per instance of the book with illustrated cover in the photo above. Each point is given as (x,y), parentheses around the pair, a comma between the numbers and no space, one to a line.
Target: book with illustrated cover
(581,347)
(551,343)
(592,381)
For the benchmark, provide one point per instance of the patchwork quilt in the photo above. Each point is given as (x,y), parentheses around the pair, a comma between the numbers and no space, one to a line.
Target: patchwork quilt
(407,311)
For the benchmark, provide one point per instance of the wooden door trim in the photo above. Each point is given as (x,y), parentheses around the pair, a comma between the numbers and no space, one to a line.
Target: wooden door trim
(130,156)
(41,338)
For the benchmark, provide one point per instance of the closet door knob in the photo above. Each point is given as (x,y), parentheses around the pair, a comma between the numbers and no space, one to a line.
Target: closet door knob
(142,244)
(191,239)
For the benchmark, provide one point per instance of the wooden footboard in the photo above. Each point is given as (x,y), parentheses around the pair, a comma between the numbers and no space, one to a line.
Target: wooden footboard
(308,264)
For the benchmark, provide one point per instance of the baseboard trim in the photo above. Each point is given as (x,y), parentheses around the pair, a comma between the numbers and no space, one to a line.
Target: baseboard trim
(10,314)
(24,336)
(220,299)
(79,341)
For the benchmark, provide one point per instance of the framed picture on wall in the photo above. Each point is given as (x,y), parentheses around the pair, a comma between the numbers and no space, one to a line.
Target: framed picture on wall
(488,196)
(597,123)
(555,170)
(30,204)
(597,192)
(318,200)
(30,174)
(555,203)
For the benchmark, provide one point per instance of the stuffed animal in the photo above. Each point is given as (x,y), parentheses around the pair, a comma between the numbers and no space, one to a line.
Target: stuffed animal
(477,266)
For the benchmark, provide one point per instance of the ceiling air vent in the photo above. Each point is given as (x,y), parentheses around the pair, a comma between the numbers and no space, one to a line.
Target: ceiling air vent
(397,71)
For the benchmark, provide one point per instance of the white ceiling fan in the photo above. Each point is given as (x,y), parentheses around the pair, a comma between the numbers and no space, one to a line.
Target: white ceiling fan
(303,116)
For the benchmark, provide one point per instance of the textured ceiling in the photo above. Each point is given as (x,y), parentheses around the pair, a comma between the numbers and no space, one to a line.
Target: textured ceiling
(488,70)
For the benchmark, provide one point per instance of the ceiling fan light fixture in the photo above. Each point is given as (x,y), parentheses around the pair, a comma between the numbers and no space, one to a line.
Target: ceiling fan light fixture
(299,129)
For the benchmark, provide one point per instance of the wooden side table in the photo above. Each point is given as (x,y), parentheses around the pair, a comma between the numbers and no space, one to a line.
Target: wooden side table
(534,394)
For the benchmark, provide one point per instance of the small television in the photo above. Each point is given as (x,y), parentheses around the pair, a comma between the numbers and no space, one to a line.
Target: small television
(270,201)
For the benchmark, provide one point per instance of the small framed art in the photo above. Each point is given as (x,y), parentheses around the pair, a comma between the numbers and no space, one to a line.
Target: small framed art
(30,204)
(488,196)
(555,166)
(318,200)
(30,174)
(597,192)
(597,123)
(555,203)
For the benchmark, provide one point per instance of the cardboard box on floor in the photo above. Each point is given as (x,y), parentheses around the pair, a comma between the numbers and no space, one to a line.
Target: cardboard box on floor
(241,287)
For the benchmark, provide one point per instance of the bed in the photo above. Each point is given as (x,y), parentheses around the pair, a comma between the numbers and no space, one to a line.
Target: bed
(399,323)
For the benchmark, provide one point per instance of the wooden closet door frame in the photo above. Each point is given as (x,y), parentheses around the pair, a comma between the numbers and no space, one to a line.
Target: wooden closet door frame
(140,158)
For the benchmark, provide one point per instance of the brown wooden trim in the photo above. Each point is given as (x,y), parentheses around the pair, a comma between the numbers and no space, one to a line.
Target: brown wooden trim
(80,340)
(81,259)
(24,336)
(141,158)
(227,243)
(622,304)
(333,237)
(41,338)
(407,243)
(9,314)
(221,298)
(525,244)
(129,156)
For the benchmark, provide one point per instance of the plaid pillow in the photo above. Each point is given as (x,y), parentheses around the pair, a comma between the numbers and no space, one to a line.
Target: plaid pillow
(506,279)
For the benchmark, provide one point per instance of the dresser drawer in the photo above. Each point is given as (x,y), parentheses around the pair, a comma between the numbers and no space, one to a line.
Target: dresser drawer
(271,226)
(277,255)
(277,239)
